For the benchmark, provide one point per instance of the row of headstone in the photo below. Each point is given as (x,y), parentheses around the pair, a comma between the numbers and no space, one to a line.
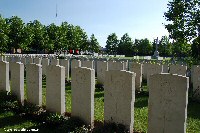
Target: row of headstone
(147,68)
(121,64)
(87,63)
(168,94)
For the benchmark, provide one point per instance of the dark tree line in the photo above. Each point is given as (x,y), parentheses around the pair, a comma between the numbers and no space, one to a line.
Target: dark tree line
(36,37)
(142,47)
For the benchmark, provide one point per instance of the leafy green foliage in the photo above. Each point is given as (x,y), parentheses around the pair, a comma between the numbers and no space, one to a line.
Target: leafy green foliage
(165,47)
(40,38)
(196,48)
(93,45)
(112,44)
(181,49)
(4,39)
(184,20)
(144,47)
(16,27)
(37,38)
(125,46)
(184,15)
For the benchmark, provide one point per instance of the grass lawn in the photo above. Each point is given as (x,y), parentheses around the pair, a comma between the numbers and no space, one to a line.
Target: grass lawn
(9,120)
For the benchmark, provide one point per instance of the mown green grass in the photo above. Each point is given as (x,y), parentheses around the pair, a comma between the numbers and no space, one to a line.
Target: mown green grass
(9,120)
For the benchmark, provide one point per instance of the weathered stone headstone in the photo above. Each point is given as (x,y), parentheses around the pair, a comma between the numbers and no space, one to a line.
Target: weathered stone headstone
(196,82)
(54,62)
(113,65)
(23,60)
(153,69)
(167,107)
(15,59)
(102,67)
(55,89)
(83,88)
(144,70)
(1,58)
(37,60)
(4,76)
(5,58)
(119,97)
(34,83)
(65,63)
(178,69)
(17,80)
(87,63)
(75,63)
(165,68)
(45,63)
(29,60)
(137,68)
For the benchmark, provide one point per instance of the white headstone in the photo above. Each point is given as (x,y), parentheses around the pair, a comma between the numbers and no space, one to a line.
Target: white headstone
(137,68)
(55,89)
(34,83)
(167,107)
(178,69)
(4,76)
(87,63)
(65,63)
(83,88)
(102,67)
(119,97)
(45,63)
(17,80)
(153,69)
(113,65)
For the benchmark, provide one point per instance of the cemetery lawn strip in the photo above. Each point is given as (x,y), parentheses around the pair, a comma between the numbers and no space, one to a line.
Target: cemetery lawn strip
(193,117)
(11,120)
(141,111)
(99,104)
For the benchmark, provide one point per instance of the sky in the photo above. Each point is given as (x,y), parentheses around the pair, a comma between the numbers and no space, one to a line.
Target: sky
(139,18)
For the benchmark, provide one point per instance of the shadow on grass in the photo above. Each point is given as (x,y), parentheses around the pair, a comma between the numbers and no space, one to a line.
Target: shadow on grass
(67,87)
(11,120)
(141,99)
(98,95)
(193,109)
(99,90)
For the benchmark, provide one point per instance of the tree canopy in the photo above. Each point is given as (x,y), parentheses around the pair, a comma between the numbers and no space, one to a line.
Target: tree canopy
(36,38)
(184,25)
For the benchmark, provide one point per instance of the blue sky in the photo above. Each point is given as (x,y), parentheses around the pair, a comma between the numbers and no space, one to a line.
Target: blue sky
(139,18)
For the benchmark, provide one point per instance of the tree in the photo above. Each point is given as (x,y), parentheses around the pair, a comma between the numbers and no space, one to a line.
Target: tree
(4,39)
(93,44)
(27,37)
(54,43)
(112,43)
(79,38)
(125,46)
(84,42)
(184,27)
(196,48)
(16,27)
(40,37)
(36,37)
(184,18)
(165,47)
(144,47)
(181,49)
